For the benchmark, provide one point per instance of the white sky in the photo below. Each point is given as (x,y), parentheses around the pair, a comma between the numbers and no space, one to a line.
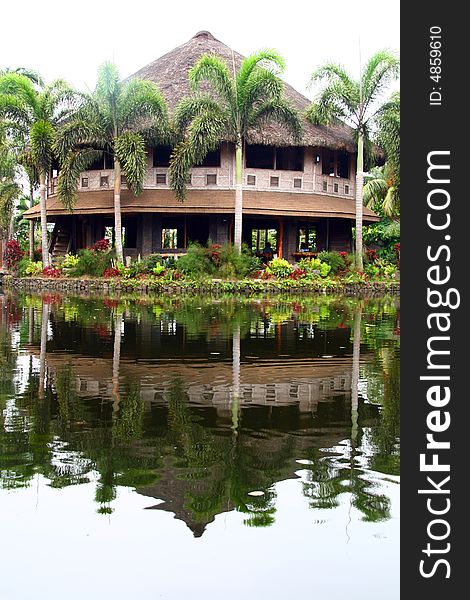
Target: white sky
(70,40)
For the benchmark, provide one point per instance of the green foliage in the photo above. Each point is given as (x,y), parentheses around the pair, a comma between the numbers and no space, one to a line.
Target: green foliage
(70,261)
(196,263)
(314,266)
(279,267)
(151,261)
(158,269)
(28,268)
(385,234)
(335,260)
(91,263)
(237,264)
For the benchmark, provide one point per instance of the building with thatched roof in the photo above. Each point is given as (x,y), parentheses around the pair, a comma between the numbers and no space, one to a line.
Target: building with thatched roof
(298,195)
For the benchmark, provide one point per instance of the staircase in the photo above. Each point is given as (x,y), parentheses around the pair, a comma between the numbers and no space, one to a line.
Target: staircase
(60,243)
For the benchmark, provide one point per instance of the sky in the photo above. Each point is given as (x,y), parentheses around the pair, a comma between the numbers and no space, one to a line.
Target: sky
(69,40)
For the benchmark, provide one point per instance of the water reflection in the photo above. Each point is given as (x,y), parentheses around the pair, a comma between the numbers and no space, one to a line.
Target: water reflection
(202,406)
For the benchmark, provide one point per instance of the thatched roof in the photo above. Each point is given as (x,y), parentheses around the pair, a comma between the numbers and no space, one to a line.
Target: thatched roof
(170,72)
(266,203)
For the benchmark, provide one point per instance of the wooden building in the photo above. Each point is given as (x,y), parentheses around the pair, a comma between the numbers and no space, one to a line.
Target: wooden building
(298,196)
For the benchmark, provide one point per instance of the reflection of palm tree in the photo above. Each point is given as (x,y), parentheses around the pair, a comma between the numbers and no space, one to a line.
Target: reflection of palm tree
(116,360)
(355,372)
(234,400)
(42,353)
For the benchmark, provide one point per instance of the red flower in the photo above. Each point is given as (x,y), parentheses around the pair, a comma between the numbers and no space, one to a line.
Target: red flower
(111,272)
(51,272)
(101,246)
(13,254)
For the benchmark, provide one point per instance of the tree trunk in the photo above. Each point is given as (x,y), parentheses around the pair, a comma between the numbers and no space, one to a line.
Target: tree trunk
(238,195)
(359,200)
(117,211)
(31,225)
(45,245)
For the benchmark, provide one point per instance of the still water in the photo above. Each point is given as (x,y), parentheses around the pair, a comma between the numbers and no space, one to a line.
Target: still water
(199,448)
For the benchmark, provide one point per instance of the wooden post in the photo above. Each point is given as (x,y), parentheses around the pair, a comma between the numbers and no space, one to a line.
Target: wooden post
(281,236)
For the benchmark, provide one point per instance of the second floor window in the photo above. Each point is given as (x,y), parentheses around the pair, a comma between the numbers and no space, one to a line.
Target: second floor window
(161,156)
(335,163)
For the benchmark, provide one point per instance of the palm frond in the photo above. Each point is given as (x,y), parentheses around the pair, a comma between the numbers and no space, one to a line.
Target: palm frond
(278,111)
(203,135)
(259,88)
(382,68)
(75,162)
(108,84)
(374,192)
(129,148)
(268,59)
(42,139)
(141,104)
(14,84)
(213,70)
(191,106)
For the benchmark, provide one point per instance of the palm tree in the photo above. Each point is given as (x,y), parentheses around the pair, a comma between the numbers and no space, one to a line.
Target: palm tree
(358,103)
(243,100)
(35,115)
(9,189)
(382,189)
(31,74)
(117,119)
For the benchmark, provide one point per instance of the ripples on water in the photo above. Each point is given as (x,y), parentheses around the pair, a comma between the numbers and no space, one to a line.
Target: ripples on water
(198,447)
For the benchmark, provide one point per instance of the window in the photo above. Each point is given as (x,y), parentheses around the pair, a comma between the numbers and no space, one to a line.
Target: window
(161,178)
(290,158)
(336,188)
(85,182)
(297,182)
(259,157)
(211,179)
(251,180)
(274,181)
(307,238)
(342,165)
(212,159)
(328,162)
(346,189)
(261,237)
(335,163)
(161,156)
(325,186)
(104,162)
(104,181)
(170,238)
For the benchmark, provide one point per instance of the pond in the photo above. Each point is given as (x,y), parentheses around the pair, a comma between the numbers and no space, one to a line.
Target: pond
(199,448)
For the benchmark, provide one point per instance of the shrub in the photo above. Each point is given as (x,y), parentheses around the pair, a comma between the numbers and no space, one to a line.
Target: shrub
(111,272)
(151,261)
(13,254)
(196,262)
(237,264)
(315,266)
(70,261)
(101,246)
(34,268)
(335,260)
(279,267)
(92,263)
(371,255)
(51,272)
(158,269)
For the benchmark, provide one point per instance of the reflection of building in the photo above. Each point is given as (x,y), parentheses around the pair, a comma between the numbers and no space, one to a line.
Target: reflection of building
(298,196)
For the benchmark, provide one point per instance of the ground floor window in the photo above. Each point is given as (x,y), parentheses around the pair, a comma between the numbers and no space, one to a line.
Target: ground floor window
(260,238)
(170,238)
(307,238)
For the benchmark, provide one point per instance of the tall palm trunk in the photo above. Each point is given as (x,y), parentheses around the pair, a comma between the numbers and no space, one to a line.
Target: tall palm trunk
(31,224)
(238,195)
(45,245)
(359,199)
(117,211)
